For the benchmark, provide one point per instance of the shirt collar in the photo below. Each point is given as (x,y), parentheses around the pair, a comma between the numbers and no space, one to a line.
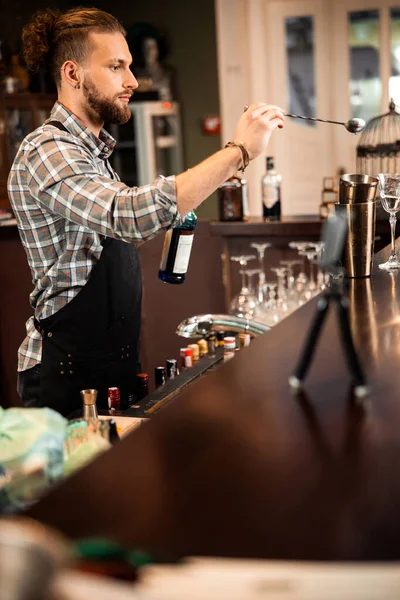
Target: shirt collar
(101,146)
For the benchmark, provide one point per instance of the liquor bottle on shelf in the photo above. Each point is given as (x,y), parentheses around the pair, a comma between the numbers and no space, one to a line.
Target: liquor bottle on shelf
(186,355)
(196,351)
(142,385)
(203,347)
(172,368)
(229,347)
(176,250)
(233,200)
(114,398)
(271,192)
(212,344)
(220,339)
(244,340)
(159,376)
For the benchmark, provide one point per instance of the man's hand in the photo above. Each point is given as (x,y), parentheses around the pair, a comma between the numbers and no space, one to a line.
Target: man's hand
(256,125)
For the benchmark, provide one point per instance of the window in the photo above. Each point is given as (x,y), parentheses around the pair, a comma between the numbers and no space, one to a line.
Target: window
(394,81)
(365,82)
(300,63)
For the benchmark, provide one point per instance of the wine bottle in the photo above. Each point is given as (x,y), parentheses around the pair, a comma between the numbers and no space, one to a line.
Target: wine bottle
(271,192)
(176,250)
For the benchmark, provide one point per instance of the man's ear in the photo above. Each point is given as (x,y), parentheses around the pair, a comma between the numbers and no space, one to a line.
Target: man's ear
(71,74)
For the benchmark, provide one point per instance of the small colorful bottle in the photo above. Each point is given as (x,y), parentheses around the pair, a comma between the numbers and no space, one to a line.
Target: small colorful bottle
(229,347)
(114,398)
(159,376)
(142,385)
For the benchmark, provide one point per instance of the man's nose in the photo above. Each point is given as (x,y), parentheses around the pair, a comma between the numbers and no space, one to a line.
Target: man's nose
(131,81)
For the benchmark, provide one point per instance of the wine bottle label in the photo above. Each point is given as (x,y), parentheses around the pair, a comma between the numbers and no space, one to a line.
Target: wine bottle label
(165,250)
(270,195)
(183,253)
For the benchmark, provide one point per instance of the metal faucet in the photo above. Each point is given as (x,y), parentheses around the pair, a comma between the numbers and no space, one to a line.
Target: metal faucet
(200,325)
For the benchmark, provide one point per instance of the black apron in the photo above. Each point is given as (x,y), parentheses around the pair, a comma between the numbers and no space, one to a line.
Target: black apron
(93,341)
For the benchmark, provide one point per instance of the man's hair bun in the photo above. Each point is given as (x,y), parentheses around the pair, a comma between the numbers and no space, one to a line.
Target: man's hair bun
(52,37)
(37,38)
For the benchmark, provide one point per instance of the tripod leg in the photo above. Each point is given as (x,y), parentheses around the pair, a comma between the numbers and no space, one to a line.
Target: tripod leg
(311,341)
(353,362)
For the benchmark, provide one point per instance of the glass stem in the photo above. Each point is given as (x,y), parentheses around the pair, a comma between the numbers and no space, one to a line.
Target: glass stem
(312,282)
(243,280)
(392,221)
(280,287)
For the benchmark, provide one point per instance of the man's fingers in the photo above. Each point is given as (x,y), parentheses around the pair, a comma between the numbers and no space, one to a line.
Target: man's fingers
(263,109)
(273,121)
(277,122)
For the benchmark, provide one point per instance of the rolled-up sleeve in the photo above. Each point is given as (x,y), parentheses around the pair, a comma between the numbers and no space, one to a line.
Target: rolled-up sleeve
(64,179)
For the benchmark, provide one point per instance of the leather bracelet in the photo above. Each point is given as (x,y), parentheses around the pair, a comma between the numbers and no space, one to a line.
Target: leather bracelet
(244,152)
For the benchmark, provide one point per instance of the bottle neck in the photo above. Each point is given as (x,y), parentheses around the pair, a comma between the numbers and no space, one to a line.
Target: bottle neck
(270,165)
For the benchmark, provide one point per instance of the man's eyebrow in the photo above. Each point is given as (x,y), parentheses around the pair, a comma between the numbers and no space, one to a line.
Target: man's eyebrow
(120,61)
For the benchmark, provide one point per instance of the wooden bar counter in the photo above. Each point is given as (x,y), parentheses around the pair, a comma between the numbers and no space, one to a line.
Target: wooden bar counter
(238,466)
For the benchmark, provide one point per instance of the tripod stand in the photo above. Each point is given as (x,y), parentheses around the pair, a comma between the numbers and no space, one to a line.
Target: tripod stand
(334,294)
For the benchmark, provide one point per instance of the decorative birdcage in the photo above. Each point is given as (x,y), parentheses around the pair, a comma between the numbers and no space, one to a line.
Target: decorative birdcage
(378,150)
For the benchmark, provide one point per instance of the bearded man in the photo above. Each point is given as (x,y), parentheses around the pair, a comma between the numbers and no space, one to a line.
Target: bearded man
(80,225)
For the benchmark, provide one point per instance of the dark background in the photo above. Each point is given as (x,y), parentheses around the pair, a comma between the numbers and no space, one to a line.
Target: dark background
(189,28)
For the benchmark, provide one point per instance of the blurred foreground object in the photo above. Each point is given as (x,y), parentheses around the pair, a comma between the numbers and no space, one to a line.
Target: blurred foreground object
(31,454)
(30,555)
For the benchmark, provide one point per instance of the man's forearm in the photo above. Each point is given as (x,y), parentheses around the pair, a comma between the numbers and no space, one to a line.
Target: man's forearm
(196,184)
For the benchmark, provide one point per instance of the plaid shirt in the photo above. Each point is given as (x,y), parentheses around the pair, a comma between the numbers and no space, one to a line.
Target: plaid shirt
(66,198)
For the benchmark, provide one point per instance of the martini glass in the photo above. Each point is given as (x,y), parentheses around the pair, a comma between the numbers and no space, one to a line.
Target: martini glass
(239,303)
(260,248)
(389,191)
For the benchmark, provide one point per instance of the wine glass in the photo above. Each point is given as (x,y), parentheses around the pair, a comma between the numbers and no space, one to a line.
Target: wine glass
(281,273)
(250,274)
(302,278)
(239,302)
(292,293)
(244,304)
(267,312)
(312,254)
(389,191)
(260,248)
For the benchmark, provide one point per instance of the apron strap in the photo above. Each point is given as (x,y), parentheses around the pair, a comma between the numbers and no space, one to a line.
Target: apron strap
(61,127)
(57,124)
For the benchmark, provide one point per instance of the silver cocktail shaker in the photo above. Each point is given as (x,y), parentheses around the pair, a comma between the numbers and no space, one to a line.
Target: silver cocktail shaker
(357,203)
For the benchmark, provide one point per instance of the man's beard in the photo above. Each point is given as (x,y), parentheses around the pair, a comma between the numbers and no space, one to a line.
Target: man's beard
(107,110)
